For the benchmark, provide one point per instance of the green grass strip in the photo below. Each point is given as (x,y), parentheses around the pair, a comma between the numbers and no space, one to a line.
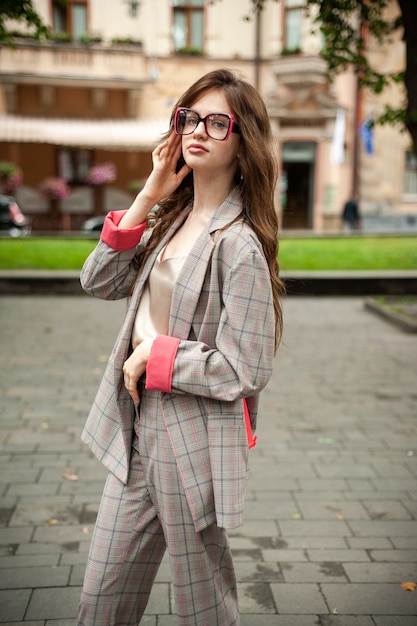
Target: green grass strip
(349,253)
(315,253)
(44,253)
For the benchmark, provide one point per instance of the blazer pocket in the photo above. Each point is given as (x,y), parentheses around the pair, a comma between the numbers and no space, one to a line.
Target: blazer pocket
(229,454)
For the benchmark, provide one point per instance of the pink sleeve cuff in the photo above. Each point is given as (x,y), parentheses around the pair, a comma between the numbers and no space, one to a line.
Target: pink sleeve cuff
(119,238)
(161,363)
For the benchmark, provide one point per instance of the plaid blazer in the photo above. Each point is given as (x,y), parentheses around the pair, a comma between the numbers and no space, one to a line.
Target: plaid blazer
(222,313)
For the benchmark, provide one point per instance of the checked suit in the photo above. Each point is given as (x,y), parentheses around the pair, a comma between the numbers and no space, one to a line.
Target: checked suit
(218,351)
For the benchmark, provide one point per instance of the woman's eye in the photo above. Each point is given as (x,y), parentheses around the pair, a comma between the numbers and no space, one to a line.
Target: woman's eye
(219,124)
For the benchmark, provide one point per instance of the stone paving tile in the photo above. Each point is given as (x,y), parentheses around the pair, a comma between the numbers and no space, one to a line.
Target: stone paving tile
(15,535)
(369,543)
(325,571)
(283,556)
(369,599)
(279,620)
(332,509)
(376,496)
(339,556)
(26,577)
(13,604)
(256,598)
(77,573)
(388,509)
(63,534)
(265,509)
(258,572)
(403,543)
(380,572)
(379,528)
(61,603)
(37,560)
(298,598)
(322,528)
(394,555)
(30,514)
(44,548)
(396,620)
(318,484)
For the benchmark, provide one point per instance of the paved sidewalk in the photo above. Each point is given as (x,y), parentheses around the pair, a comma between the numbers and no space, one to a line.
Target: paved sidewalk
(331,514)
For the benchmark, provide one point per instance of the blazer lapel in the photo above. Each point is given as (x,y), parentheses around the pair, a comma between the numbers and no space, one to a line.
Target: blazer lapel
(188,286)
(189,283)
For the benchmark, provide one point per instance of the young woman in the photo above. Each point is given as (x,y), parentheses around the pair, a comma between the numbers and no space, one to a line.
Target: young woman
(196,348)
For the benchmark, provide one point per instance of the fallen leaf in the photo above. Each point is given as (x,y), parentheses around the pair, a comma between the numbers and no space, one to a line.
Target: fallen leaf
(296,516)
(329,441)
(69,474)
(85,530)
(339,516)
(409,586)
(52,522)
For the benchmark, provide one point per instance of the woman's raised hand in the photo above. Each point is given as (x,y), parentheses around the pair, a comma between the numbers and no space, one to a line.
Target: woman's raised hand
(162,181)
(164,178)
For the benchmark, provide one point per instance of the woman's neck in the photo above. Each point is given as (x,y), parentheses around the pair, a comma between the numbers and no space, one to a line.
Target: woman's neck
(209,195)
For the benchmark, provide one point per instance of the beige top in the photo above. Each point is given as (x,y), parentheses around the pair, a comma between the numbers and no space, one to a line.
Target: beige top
(152,317)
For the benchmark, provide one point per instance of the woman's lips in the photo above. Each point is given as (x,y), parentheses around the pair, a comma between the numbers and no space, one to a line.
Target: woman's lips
(196,148)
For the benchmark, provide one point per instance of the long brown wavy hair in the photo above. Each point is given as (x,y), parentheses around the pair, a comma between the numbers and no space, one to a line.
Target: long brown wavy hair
(256,175)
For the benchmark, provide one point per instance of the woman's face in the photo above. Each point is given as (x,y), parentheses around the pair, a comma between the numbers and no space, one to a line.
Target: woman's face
(201,152)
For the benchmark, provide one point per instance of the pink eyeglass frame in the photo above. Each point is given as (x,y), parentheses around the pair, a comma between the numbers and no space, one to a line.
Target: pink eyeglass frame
(233,127)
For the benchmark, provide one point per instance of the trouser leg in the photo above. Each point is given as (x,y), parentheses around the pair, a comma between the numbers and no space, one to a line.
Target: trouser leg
(126,551)
(204,582)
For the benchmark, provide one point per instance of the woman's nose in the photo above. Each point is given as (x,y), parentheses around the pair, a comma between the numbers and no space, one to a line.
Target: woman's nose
(200,129)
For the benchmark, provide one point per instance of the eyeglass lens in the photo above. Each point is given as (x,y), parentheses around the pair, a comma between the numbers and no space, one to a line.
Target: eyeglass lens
(216,124)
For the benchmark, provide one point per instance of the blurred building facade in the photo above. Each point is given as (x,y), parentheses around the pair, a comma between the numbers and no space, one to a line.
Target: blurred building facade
(104,88)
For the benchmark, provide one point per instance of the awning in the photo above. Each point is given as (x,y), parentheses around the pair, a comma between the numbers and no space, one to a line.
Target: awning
(131,134)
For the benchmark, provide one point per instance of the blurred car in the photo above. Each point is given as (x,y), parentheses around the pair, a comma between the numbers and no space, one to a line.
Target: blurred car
(94,224)
(12,219)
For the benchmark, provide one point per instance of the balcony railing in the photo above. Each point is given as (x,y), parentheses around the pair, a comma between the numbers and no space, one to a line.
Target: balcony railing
(73,60)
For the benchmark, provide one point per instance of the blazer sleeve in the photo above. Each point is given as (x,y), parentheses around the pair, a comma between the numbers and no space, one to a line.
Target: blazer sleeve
(241,362)
(112,268)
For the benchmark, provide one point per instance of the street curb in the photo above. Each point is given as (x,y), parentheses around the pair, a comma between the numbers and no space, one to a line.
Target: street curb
(40,282)
(354,283)
(331,283)
(394,317)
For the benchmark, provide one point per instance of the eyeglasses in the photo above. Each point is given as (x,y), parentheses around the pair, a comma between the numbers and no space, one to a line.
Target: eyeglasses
(218,125)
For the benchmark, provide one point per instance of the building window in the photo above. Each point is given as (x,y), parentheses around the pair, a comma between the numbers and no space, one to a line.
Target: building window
(410,174)
(70,17)
(74,164)
(293,20)
(188,25)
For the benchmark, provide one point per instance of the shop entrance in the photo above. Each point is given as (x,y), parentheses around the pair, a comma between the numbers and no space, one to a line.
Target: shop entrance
(297,184)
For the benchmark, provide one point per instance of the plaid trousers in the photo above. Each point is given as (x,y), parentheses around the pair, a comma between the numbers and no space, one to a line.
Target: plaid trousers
(136,523)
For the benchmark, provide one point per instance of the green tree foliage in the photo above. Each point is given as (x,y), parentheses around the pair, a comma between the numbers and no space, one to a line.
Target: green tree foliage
(22,11)
(346,26)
